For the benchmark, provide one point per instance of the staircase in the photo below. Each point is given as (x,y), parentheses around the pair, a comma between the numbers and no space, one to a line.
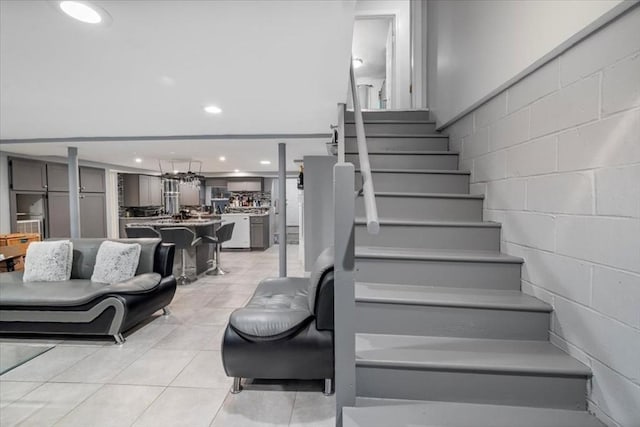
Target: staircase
(444,336)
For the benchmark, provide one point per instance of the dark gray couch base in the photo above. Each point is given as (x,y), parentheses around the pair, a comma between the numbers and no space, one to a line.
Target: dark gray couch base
(306,355)
(109,313)
(116,313)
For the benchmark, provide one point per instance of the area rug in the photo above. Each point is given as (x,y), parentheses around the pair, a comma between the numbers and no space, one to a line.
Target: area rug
(13,355)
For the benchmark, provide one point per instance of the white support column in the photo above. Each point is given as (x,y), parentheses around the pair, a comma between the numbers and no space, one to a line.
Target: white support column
(74,192)
(282,204)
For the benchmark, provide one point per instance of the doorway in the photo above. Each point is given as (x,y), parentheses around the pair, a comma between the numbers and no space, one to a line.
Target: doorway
(373,52)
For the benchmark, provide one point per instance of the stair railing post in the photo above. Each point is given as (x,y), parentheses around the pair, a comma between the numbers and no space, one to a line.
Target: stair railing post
(344,294)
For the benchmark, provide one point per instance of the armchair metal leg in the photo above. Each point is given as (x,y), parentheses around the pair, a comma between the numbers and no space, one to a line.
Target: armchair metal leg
(235,389)
(328,387)
(119,339)
(166,311)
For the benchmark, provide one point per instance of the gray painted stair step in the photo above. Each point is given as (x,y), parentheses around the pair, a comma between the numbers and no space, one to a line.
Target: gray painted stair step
(418,180)
(434,206)
(431,142)
(446,160)
(410,413)
(391,127)
(383,308)
(509,372)
(431,234)
(397,115)
(446,268)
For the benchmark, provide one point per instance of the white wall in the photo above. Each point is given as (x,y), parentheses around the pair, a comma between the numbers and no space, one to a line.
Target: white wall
(557,156)
(475,46)
(400,8)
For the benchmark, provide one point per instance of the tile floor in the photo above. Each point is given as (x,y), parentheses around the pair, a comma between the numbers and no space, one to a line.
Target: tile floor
(169,371)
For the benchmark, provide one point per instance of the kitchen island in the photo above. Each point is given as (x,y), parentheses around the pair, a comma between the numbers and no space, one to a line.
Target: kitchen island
(197,257)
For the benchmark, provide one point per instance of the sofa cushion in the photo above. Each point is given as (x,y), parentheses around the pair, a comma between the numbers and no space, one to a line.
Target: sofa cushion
(323,264)
(48,261)
(86,250)
(278,309)
(115,262)
(17,293)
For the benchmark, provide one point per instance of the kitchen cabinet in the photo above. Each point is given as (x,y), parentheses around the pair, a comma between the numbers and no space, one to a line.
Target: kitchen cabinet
(241,236)
(58,214)
(259,225)
(93,220)
(92,180)
(155,191)
(57,177)
(142,190)
(28,175)
(190,195)
(254,185)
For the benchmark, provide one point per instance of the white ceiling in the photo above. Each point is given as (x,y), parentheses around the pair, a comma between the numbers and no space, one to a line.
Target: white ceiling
(274,67)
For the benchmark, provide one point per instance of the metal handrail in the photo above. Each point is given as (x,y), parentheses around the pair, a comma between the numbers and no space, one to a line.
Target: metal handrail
(370,207)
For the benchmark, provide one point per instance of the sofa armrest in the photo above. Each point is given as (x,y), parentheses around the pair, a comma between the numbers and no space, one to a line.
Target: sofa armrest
(324,303)
(163,260)
(140,283)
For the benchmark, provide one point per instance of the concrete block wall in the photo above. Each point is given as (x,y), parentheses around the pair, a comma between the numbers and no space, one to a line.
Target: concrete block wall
(558,157)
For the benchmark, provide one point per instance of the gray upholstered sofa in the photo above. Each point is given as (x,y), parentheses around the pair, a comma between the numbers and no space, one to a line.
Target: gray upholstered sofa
(80,306)
(286,330)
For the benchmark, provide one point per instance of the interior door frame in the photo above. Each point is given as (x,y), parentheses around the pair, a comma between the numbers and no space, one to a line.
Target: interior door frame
(394,25)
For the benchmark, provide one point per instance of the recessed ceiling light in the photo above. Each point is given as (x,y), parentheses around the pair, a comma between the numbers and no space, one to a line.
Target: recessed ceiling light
(82,11)
(212,109)
(138,160)
(236,170)
(265,162)
(357,62)
(175,172)
(222,158)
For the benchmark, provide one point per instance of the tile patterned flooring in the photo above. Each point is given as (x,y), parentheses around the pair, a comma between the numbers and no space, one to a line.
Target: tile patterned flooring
(169,371)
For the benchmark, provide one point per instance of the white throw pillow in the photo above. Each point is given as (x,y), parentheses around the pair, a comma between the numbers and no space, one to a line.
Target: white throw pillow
(116,262)
(48,261)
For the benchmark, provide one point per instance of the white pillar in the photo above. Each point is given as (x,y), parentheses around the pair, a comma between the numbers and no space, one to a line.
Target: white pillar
(282,203)
(74,192)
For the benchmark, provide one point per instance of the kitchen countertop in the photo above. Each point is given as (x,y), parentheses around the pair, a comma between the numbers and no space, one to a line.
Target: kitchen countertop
(185,223)
(246,214)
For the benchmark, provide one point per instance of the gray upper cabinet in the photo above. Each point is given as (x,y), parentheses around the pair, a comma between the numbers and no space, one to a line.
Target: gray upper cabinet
(92,180)
(155,190)
(245,185)
(57,177)
(142,190)
(28,175)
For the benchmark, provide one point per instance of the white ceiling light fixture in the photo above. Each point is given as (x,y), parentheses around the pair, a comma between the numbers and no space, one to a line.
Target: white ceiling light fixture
(265,162)
(236,170)
(357,62)
(222,158)
(213,109)
(138,160)
(84,11)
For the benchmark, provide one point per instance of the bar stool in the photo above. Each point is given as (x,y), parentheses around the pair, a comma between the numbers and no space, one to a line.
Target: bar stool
(222,235)
(183,238)
(140,232)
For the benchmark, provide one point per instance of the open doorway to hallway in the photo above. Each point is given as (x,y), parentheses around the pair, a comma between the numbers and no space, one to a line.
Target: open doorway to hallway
(373,53)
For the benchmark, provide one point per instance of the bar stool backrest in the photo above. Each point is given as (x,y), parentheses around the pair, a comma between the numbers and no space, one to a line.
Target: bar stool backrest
(182,237)
(225,232)
(139,232)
